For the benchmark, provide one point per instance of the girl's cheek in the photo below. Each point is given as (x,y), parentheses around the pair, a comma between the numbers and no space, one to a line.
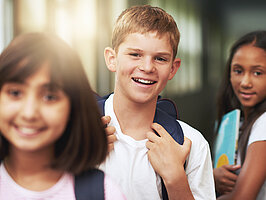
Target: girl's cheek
(57,115)
(8,108)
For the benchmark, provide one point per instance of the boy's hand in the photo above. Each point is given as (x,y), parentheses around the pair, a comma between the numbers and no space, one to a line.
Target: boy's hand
(167,157)
(110,130)
(224,178)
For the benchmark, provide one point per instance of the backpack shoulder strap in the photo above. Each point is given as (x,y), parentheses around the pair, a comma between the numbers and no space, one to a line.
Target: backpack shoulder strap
(168,106)
(90,185)
(101,102)
(166,115)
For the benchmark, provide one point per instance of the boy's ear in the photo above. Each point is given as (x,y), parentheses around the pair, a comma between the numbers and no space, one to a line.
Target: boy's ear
(175,66)
(110,58)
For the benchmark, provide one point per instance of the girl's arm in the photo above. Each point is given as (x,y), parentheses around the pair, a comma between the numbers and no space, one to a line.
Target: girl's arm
(252,175)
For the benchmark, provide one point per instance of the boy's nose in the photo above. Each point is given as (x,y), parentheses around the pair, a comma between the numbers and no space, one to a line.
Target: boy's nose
(246,81)
(30,108)
(147,66)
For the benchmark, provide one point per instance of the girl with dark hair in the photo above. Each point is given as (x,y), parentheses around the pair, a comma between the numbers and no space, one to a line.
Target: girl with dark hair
(244,87)
(50,127)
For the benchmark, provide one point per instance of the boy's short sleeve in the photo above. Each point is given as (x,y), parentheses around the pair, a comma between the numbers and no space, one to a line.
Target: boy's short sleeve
(199,165)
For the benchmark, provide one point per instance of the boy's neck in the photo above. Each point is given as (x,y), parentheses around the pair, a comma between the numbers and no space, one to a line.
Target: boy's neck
(134,118)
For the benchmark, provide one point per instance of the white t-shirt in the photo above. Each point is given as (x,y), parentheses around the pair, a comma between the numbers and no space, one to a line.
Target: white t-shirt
(62,190)
(129,166)
(258,133)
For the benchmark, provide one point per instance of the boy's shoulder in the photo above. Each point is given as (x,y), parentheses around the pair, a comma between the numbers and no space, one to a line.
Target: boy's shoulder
(166,115)
(164,104)
(193,134)
(167,105)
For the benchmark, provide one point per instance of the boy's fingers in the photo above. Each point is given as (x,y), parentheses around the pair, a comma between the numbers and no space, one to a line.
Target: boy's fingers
(111,139)
(149,145)
(110,130)
(110,147)
(187,143)
(106,119)
(151,136)
(159,129)
(186,146)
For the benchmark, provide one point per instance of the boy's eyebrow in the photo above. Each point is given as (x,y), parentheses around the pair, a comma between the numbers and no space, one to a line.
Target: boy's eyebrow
(159,53)
(164,53)
(134,49)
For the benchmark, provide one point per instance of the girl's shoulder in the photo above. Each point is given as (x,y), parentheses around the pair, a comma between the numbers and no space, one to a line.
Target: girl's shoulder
(112,190)
(260,122)
(258,130)
(9,189)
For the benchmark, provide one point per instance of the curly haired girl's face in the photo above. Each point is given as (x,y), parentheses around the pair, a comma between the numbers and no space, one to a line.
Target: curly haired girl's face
(248,75)
(33,115)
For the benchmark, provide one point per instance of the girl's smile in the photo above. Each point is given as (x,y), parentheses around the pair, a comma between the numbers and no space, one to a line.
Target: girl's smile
(33,113)
(248,75)
(247,95)
(28,131)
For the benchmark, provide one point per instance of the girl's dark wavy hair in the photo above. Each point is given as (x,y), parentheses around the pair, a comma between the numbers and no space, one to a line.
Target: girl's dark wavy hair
(227,100)
(83,144)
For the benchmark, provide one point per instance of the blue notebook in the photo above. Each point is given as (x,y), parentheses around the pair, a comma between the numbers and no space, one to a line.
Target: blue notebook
(227,138)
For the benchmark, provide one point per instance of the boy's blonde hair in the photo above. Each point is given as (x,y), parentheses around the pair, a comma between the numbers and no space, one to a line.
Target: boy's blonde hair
(144,19)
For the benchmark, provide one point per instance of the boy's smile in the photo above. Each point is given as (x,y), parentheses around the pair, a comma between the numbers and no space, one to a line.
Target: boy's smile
(143,64)
(143,81)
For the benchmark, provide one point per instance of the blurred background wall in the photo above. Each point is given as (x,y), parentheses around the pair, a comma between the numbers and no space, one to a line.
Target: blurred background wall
(208,28)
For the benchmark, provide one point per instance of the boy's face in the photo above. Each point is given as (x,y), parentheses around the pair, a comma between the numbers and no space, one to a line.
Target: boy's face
(143,64)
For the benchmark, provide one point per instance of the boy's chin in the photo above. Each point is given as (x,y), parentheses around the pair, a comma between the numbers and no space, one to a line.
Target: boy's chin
(144,99)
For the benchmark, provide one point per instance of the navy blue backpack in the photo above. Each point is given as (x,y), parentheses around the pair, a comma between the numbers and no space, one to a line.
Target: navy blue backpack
(91,184)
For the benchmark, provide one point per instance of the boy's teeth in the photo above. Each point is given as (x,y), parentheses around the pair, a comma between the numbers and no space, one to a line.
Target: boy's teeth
(144,81)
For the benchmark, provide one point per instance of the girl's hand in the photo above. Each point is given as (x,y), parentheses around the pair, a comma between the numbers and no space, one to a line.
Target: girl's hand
(167,157)
(110,130)
(224,178)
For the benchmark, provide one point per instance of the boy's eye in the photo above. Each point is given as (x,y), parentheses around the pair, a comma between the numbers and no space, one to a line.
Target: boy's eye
(135,54)
(161,59)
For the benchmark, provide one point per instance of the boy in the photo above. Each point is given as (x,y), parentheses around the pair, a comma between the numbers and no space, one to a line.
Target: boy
(145,41)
